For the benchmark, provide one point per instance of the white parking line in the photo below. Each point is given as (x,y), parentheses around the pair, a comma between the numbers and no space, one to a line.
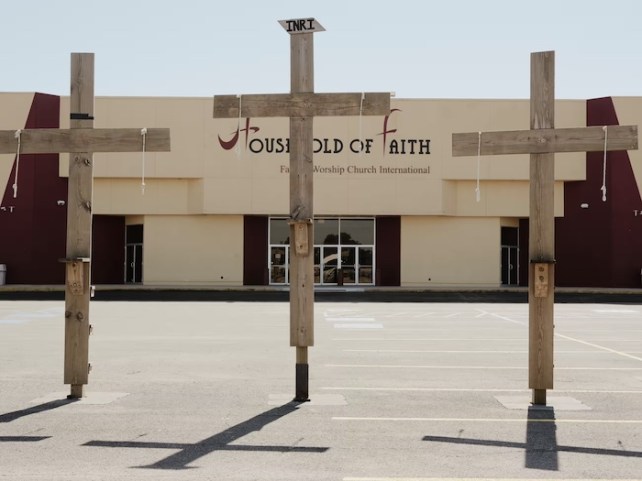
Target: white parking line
(440,339)
(395,366)
(479,479)
(445,389)
(350,319)
(467,351)
(599,347)
(489,420)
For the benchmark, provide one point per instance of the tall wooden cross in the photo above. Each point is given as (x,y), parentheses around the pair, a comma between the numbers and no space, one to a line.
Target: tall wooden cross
(81,141)
(541,142)
(301,105)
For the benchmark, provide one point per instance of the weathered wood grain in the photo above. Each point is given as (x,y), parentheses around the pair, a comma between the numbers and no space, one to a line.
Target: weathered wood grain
(84,139)
(301,104)
(79,223)
(542,141)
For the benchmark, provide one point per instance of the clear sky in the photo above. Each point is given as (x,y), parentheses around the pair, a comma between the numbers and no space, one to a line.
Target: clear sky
(415,48)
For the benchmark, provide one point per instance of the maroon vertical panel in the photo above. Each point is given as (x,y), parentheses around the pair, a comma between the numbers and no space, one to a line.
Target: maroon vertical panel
(33,225)
(108,249)
(601,245)
(523,252)
(255,250)
(388,247)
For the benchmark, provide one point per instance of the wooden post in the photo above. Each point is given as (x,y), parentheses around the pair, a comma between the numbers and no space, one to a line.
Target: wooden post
(81,140)
(301,105)
(541,142)
(301,213)
(541,234)
(79,219)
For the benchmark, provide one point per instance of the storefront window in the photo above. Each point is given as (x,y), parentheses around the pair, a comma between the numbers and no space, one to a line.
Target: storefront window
(343,251)
(326,231)
(357,231)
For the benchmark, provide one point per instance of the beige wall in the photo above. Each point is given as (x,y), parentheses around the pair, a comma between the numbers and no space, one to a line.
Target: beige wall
(196,195)
(445,251)
(196,250)
(199,176)
(497,198)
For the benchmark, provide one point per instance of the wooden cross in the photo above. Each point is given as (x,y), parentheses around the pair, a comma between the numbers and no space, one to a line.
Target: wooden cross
(301,105)
(81,141)
(541,142)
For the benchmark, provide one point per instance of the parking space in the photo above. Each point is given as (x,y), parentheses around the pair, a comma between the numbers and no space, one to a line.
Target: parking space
(400,391)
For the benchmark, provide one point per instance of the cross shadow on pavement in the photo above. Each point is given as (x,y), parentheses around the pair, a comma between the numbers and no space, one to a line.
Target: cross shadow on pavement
(48,406)
(189,452)
(541,448)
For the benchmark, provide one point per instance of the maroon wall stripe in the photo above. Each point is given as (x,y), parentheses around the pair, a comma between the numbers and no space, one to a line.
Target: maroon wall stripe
(388,256)
(523,252)
(601,246)
(108,249)
(33,235)
(255,250)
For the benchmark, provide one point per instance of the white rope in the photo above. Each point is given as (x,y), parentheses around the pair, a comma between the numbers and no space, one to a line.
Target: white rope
(143,133)
(17,135)
(477,191)
(606,134)
(237,149)
(363,96)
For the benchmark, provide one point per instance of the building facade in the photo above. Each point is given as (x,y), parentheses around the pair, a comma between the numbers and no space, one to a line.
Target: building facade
(392,206)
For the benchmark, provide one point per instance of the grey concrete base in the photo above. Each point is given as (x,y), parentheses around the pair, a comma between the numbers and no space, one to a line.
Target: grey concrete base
(560,403)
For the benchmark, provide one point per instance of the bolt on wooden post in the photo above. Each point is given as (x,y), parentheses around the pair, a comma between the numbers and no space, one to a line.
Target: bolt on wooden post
(301,106)
(542,141)
(81,141)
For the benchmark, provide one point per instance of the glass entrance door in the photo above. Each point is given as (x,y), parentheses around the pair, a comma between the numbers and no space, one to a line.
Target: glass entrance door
(134,254)
(343,251)
(279,264)
(509,266)
(326,265)
(134,261)
(510,256)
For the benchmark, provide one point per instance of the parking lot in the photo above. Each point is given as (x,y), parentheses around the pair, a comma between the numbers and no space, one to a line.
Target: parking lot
(399,391)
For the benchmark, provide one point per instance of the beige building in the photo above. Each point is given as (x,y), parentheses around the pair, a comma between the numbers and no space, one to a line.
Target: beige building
(392,206)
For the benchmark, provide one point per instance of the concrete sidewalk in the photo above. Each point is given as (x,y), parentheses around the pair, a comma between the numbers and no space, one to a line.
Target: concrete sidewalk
(400,391)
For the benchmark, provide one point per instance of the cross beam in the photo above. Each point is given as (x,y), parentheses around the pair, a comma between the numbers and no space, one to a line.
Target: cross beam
(81,141)
(46,141)
(301,105)
(542,141)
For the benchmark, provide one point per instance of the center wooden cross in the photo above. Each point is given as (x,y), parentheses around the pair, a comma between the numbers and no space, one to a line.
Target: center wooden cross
(301,105)
(541,142)
(81,141)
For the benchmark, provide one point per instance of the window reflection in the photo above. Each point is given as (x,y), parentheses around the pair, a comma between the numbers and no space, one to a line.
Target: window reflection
(343,251)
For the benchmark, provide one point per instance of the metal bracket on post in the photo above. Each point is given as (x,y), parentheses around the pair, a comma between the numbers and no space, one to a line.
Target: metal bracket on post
(301,241)
(541,277)
(75,274)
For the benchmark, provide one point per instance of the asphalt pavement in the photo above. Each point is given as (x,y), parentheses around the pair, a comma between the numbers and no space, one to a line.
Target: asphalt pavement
(400,391)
